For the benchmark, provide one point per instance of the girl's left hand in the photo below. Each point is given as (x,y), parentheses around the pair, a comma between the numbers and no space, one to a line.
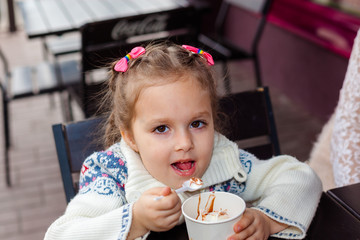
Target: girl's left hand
(255,225)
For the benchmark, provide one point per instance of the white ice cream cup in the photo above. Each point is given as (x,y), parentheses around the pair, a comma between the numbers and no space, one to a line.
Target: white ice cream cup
(199,230)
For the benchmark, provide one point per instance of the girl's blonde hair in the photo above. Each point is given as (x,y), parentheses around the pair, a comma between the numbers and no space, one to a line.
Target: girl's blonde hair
(162,63)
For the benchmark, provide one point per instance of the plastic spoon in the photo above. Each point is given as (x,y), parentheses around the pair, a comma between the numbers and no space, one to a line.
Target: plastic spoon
(190,185)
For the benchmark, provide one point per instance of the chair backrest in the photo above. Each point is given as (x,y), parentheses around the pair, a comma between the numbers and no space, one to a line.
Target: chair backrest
(105,41)
(258,7)
(74,142)
(246,118)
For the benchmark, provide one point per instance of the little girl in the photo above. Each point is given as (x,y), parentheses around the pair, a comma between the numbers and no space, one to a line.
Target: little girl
(161,131)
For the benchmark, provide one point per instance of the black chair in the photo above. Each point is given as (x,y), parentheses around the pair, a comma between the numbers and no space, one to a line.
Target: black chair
(30,81)
(246,116)
(105,41)
(74,142)
(223,49)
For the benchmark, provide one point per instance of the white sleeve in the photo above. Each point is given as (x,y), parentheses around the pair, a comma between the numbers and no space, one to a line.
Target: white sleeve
(100,209)
(92,216)
(283,188)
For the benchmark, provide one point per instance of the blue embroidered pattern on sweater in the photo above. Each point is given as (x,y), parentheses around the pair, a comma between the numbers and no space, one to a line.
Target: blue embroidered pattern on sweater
(285,220)
(232,185)
(125,221)
(104,173)
(245,159)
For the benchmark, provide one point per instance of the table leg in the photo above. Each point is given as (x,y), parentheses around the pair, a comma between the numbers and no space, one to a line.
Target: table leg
(11,13)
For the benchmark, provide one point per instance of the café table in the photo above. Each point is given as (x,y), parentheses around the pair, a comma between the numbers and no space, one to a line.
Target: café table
(135,22)
(55,17)
(348,197)
(337,216)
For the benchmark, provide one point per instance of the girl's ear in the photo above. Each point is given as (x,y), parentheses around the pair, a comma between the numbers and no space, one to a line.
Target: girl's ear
(127,136)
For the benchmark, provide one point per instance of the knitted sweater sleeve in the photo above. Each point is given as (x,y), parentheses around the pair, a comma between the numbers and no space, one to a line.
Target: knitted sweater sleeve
(100,209)
(284,189)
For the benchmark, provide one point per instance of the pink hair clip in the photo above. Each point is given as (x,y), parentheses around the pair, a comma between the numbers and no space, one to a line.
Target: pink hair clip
(206,55)
(122,64)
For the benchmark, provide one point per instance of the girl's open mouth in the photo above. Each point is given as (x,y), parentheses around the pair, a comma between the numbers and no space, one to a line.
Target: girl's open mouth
(184,168)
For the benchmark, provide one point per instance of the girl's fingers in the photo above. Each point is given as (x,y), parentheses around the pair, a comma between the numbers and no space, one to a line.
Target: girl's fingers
(156,190)
(168,220)
(243,223)
(174,209)
(247,232)
(166,191)
(244,234)
(169,202)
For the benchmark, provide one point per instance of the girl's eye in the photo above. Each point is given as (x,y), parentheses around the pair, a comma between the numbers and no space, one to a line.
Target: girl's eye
(161,129)
(197,124)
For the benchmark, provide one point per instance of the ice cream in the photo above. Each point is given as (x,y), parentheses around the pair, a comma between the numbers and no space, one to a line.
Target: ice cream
(208,214)
(197,224)
(216,216)
(196,181)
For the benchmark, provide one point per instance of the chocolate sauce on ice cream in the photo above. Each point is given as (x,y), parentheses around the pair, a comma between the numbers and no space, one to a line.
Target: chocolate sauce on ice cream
(208,214)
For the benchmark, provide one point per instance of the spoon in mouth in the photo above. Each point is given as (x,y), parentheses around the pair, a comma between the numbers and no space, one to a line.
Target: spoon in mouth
(190,185)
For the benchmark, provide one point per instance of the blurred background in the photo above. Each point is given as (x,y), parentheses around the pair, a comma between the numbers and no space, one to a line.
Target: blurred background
(303,53)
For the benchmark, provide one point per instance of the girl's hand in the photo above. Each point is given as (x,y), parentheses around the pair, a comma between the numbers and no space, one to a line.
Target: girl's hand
(255,225)
(158,216)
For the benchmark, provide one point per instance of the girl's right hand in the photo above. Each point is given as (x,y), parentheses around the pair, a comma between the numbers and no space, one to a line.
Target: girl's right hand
(158,216)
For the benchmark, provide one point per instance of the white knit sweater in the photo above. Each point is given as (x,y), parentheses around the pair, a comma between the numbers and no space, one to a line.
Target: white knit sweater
(283,188)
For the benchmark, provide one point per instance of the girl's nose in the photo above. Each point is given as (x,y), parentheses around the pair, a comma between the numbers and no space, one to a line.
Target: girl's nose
(184,141)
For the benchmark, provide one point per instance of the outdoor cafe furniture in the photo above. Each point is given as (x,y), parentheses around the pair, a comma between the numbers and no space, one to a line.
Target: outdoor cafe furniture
(54,17)
(44,18)
(221,43)
(109,28)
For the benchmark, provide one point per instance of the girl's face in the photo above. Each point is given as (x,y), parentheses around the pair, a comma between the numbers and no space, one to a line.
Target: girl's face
(173,131)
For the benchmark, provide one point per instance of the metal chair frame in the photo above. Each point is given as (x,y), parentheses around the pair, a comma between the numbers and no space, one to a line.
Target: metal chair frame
(223,50)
